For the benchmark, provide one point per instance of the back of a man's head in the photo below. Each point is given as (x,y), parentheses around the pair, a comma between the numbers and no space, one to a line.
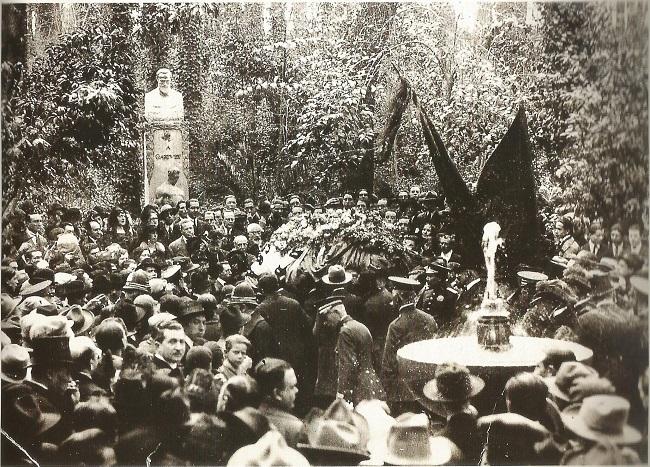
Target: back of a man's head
(269,374)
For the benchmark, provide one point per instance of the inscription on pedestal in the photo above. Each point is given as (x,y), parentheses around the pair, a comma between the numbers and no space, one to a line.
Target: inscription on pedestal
(166,152)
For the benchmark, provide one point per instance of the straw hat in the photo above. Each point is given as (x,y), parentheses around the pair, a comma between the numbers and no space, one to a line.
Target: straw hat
(602,418)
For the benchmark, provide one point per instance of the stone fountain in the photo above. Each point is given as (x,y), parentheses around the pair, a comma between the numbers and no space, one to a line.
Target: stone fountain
(486,344)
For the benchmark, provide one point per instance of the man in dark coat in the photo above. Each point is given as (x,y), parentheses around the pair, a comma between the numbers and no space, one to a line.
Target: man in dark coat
(380,312)
(357,379)
(85,355)
(410,326)
(257,329)
(290,324)
(52,383)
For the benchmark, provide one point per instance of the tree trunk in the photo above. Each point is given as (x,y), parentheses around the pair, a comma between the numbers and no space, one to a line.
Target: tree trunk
(371,32)
(14,33)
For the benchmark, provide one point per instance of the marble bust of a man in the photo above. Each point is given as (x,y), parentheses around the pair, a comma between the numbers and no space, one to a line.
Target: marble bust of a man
(163,103)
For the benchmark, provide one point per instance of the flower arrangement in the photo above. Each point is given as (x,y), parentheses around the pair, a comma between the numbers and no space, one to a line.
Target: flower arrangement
(362,229)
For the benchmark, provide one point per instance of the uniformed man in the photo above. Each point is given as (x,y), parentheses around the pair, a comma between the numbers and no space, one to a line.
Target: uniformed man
(437,297)
(410,326)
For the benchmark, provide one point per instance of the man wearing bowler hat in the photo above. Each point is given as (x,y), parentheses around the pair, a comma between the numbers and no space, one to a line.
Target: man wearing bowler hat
(410,326)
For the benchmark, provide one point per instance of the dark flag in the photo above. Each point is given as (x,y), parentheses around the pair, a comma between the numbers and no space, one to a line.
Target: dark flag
(466,216)
(506,192)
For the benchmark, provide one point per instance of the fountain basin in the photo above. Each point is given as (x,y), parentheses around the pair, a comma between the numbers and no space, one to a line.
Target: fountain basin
(417,362)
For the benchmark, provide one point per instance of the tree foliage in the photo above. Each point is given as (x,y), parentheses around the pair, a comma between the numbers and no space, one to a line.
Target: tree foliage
(286,97)
(74,107)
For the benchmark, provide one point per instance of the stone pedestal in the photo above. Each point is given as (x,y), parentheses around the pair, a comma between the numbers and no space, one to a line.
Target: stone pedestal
(166,145)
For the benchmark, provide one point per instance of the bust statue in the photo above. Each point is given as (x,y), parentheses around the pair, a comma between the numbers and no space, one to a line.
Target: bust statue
(168,192)
(163,103)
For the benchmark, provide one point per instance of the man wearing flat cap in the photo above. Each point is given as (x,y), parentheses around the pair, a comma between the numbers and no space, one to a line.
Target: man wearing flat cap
(410,326)
(357,379)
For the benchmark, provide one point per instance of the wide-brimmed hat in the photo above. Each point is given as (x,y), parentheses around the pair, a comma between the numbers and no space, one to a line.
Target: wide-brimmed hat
(511,429)
(149,263)
(559,261)
(20,409)
(336,275)
(185,263)
(270,449)
(560,384)
(404,283)
(601,454)
(336,435)
(167,210)
(409,443)
(42,274)
(72,288)
(28,289)
(128,313)
(586,259)
(14,359)
(247,424)
(232,317)
(82,320)
(452,383)
(607,264)
(557,289)
(189,308)
(602,418)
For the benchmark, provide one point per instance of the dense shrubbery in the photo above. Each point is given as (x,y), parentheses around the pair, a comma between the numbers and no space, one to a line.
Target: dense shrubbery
(75,108)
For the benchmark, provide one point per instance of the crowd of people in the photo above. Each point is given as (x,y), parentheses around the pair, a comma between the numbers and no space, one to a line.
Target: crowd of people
(150,338)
